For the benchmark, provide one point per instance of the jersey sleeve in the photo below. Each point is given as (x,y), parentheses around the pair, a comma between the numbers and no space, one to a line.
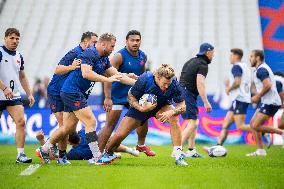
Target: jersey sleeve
(237,71)
(262,74)
(177,95)
(203,70)
(22,63)
(138,89)
(279,86)
(68,58)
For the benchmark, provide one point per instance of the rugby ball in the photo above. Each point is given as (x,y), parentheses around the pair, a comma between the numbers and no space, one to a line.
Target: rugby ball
(217,151)
(148,99)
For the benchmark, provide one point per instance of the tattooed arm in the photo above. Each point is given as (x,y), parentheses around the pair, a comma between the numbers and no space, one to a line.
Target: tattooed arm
(133,102)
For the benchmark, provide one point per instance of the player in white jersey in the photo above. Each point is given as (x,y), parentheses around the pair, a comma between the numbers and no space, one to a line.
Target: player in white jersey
(279,77)
(267,94)
(12,77)
(238,88)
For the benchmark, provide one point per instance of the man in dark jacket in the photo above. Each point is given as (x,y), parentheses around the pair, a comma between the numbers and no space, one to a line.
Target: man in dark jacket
(192,79)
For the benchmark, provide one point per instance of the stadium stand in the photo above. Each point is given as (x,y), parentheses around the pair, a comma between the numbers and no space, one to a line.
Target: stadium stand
(172,29)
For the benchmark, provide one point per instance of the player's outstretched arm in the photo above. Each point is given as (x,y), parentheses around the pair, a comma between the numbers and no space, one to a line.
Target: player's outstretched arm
(124,78)
(26,86)
(63,69)
(89,74)
(200,82)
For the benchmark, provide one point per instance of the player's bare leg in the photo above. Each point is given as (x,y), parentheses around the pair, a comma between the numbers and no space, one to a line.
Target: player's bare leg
(125,127)
(229,119)
(257,125)
(176,135)
(112,118)
(87,117)
(240,123)
(189,134)
(17,114)
(142,133)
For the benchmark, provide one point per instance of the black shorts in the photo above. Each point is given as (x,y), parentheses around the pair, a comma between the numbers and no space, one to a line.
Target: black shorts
(239,108)
(5,103)
(269,109)
(191,105)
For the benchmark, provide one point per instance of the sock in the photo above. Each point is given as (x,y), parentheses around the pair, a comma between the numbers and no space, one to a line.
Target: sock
(261,151)
(92,139)
(46,146)
(20,151)
(128,150)
(141,145)
(62,153)
(177,151)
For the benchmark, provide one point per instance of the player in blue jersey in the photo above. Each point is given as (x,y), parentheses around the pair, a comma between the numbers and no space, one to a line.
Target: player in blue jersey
(12,77)
(95,66)
(268,96)
(67,64)
(165,86)
(129,60)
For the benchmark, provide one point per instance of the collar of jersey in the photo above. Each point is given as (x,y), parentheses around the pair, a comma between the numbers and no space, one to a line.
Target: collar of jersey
(13,53)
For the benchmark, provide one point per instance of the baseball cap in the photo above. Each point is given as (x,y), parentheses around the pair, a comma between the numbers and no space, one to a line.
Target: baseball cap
(204,47)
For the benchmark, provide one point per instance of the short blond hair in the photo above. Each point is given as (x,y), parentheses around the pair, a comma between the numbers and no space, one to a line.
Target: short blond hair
(165,70)
(107,37)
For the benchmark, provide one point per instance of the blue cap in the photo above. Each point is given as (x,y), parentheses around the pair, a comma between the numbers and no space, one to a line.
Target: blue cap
(204,47)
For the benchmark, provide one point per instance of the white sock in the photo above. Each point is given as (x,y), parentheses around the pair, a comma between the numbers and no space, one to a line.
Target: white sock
(128,150)
(261,151)
(94,147)
(20,151)
(141,145)
(46,146)
(177,151)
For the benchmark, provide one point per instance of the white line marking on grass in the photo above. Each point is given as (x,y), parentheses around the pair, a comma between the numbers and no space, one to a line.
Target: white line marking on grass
(30,170)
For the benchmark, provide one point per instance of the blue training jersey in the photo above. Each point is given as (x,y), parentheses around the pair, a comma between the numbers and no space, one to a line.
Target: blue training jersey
(57,80)
(83,148)
(147,85)
(130,64)
(75,83)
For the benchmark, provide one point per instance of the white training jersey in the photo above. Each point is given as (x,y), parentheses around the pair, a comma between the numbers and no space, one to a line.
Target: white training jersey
(271,97)
(243,94)
(10,65)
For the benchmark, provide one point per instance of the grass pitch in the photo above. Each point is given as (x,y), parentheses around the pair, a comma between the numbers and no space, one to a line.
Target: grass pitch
(233,171)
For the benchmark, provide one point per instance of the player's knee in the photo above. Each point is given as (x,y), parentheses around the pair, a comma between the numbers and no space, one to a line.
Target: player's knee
(253,125)
(20,122)
(174,120)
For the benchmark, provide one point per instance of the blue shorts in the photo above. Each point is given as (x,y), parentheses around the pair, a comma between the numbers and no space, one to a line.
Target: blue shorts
(191,105)
(239,108)
(143,116)
(269,109)
(73,101)
(5,103)
(55,103)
